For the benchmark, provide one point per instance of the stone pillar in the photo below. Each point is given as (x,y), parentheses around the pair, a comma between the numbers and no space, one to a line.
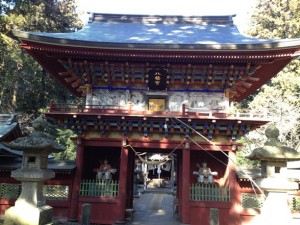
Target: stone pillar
(214,216)
(73,216)
(122,184)
(86,214)
(185,182)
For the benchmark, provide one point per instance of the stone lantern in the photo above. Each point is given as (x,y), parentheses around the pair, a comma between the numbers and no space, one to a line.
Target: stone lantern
(273,180)
(30,208)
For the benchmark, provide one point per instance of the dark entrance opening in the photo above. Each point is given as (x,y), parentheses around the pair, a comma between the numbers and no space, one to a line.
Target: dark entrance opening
(155,198)
(96,155)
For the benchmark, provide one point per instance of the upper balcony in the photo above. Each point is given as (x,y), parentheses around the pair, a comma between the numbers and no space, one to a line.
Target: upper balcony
(128,110)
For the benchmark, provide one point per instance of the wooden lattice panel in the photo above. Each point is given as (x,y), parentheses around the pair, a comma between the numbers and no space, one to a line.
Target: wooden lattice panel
(10,191)
(252,201)
(51,192)
(295,203)
(56,192)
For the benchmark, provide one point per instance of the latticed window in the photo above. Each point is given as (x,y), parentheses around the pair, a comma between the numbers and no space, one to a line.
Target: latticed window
(50,192)
(10,191)
(295,203)
(252,201)
(56,192)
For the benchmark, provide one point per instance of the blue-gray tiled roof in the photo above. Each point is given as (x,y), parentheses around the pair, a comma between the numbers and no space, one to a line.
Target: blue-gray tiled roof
(163,32)
(7,123)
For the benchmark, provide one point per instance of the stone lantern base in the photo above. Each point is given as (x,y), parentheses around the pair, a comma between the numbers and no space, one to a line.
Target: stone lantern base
(275,210)
(24,214)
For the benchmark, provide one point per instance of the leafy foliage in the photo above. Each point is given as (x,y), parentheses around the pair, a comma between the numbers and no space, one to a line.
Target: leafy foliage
(26,88)
(280,97)
(64,139)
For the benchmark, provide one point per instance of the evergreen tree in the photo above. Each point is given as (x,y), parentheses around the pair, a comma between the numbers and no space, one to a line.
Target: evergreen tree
(280,97)
(26,88)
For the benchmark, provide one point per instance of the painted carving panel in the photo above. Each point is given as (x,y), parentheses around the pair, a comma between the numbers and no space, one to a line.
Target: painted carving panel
(194,101)
(176,100)
(110,99)
(137,101)
(207,101)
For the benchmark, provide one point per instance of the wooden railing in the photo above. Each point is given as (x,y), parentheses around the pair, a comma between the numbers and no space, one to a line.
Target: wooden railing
(97,188)
(126,110)
(209,192)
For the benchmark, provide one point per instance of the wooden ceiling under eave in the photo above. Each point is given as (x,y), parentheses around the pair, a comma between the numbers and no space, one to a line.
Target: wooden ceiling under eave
(255,68)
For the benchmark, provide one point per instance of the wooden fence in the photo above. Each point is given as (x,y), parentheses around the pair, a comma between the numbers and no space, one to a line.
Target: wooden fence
(97,188)
(209,192)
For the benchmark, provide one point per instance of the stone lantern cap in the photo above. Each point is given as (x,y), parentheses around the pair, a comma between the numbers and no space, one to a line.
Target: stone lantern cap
(37,141)
(273,150)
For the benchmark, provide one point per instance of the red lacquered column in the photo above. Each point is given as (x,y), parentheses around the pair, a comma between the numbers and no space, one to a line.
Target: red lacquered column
(76,182)
(185,185)
(122,183)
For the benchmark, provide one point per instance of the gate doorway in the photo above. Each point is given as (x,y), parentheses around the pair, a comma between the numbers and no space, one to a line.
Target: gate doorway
(155,188)
(155,170)
(154,208)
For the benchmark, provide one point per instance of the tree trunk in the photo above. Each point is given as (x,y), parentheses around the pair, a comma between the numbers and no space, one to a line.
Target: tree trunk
(13,104)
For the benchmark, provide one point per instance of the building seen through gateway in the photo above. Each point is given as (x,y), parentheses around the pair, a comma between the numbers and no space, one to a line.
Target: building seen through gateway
(158,112)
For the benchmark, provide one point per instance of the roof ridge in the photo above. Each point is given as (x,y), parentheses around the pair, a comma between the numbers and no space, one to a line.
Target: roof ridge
(171,19)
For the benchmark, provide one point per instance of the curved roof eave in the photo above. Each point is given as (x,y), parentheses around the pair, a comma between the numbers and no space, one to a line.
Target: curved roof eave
(7,130)
(11,152)
(259,45)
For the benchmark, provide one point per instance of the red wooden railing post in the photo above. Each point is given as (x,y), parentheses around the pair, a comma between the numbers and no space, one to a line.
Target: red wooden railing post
(183,109)
(51,105)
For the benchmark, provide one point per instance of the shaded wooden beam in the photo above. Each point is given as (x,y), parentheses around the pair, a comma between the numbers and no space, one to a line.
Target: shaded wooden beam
(72,79)
(76,83)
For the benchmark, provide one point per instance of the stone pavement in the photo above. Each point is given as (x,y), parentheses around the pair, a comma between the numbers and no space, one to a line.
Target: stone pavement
(154,206)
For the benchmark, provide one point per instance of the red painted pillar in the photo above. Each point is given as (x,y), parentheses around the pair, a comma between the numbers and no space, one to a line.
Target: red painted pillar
(185,182)
(51,105)
(234,218)
(122,184)
(76,182)
(179,181)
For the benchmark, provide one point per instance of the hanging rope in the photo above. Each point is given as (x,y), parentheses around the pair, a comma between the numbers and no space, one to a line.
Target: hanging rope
(244,172)
(159,162)
(154,163)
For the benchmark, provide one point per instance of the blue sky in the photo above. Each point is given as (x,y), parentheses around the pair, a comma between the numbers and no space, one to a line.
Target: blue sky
(242,8)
